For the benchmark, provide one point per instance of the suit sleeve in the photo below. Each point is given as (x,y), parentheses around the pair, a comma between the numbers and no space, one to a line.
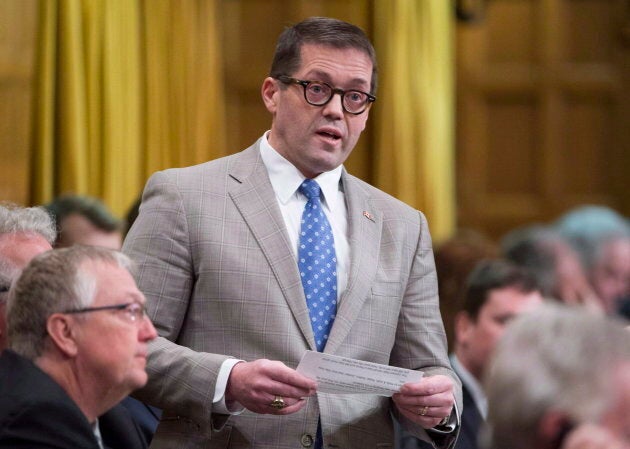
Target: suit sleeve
(420,337)
(181,380)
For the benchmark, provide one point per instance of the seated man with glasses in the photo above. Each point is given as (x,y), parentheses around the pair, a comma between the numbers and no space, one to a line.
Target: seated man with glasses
(78,337)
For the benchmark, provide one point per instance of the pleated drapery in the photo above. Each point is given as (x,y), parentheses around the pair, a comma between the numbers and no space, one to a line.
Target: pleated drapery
(123,88)
(414,123)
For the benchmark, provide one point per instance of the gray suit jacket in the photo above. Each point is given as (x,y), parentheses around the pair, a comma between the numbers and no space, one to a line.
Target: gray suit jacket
(221,281)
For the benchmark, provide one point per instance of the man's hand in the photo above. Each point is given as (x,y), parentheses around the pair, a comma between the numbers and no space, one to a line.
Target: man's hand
(256,384)
(426,402)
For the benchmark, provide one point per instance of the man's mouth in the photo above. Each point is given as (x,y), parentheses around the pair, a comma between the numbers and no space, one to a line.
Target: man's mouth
(330,134)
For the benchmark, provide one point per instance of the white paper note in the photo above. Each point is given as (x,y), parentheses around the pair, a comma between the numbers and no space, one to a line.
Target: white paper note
(342,375)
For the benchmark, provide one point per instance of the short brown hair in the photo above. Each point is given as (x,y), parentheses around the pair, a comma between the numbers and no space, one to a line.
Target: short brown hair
(319,31)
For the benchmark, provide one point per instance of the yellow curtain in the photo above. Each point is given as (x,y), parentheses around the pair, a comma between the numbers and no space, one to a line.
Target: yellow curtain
(185,104)
(414,122)
(86,126)
(124,88)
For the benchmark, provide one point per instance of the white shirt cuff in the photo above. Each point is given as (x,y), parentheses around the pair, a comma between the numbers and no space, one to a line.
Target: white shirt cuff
(218,401)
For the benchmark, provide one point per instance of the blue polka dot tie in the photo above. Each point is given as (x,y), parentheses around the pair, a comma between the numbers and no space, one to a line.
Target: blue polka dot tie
(317,263)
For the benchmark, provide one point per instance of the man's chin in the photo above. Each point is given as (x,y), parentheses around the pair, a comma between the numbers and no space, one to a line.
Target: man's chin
(324,162)
(139,380)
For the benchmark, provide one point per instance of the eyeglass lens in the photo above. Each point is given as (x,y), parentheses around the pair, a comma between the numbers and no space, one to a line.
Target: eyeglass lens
(135,311)
(320,93)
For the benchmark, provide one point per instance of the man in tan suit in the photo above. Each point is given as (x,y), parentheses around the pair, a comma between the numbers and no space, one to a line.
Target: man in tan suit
(219,247)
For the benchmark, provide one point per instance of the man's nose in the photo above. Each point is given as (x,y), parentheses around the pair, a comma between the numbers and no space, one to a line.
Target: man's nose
(334,108)
(147,330)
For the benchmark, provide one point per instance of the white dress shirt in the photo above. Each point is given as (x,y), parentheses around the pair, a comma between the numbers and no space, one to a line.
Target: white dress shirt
(286,180)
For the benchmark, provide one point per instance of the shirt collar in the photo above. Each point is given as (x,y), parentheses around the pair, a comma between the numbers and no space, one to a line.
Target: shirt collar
(286,178)
(97,433)
(473,386)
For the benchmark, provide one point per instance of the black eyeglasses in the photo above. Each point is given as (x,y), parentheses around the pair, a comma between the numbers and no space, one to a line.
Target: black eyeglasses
(133,311)
(318,93)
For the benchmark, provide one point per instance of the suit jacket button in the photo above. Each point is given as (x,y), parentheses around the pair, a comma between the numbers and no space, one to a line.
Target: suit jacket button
(306,440)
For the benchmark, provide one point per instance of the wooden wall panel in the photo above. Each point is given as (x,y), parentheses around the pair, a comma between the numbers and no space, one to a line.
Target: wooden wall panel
(589,122)
(587,30)
(512,151)
(513,38)
(17,41)
(542,114)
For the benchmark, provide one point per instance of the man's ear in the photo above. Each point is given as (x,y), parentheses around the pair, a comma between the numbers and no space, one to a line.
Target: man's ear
(61,331)
(269,91)
(463,324)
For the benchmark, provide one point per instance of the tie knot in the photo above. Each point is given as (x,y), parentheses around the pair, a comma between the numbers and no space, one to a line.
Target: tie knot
(310,189)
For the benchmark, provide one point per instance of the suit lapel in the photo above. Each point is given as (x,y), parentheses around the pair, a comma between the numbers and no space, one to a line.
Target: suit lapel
(364,229)
(255,199)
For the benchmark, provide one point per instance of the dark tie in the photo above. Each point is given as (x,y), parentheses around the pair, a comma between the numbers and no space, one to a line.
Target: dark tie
(317,263)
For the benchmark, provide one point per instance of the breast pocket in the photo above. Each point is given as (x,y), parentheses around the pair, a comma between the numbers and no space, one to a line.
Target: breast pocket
(378,319)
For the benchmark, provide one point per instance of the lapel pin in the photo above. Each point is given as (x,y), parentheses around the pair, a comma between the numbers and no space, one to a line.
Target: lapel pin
(368,215)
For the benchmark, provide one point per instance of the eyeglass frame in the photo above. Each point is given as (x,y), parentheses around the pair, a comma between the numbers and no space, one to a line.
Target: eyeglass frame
(333,90)
(135,318)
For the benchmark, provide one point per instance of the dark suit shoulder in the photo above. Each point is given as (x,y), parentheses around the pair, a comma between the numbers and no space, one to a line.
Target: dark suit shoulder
(120,430)
(45,424)
(35,411)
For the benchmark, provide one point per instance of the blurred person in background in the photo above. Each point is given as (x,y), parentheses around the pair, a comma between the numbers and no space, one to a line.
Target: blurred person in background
(555,265)
(496,292)
(132,214)
(455,258)
(24,233)
(602,239)
(84,220)
(560,379)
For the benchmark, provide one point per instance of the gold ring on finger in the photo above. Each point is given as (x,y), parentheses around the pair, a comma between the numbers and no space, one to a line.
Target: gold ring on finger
(423,410)
(278,403)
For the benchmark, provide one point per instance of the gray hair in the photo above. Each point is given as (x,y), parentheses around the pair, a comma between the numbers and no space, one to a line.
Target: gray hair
(588,228)
(36,220)
(14,220)
(536,248)
(55,281)
(553,358)
(8,272)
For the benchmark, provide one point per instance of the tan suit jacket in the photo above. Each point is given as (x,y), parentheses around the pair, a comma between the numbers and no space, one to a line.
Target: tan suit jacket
(221,280)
